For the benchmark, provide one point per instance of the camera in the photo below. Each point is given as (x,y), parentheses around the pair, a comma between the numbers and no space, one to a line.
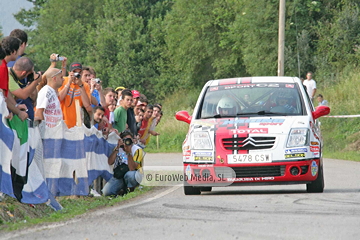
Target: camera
(30,77)
(77,75)
(97,80)
(128,141)
(58,58)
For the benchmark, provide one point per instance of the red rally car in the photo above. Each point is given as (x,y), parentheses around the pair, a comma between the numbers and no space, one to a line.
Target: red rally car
(253,131)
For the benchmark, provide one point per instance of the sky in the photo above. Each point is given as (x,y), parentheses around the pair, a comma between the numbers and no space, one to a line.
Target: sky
(7,9)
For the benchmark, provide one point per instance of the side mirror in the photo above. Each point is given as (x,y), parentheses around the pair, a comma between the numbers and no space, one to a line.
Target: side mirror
(320,111)
(183,116)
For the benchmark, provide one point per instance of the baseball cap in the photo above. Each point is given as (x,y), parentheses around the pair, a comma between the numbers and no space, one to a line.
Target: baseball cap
(119,88)
(135,93)
(75,65)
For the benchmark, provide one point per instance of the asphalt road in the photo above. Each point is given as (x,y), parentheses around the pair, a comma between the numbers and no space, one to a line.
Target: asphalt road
(262,212)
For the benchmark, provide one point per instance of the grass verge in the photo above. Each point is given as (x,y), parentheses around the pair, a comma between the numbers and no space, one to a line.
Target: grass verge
(15,215)
(341,135)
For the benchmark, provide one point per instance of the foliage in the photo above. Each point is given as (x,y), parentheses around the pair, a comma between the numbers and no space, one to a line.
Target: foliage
(74,19)
(194,43)
(338,49)
(158,46)
(28,18)
(125,52)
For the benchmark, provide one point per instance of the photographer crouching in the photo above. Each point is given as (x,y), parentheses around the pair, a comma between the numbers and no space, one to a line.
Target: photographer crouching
(128,161)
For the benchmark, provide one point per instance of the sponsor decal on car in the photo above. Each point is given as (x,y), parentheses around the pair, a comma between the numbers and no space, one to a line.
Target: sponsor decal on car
(220,159)
(296,150)
(187,153)
(295,155)
(251,179)
(254,120)
(314,143)
(248,130)
(315,149)
(314,168)
(188,171)
(202,156)
(206,165)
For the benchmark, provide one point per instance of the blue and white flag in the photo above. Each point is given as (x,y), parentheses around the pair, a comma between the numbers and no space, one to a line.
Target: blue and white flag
(74,158)
(49,162)
(21,172)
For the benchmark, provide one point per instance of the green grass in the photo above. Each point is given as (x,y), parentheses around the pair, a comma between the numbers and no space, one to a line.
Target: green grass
(73,206)
(341,134)
(348,155)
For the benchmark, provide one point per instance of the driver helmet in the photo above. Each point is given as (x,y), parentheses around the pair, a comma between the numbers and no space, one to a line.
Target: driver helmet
(285,102)
(226,106)
(282,101)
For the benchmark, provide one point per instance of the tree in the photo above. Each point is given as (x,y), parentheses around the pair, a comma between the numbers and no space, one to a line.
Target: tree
(124,51)
(197,47)
(63,28)
(339,45)
(29,18)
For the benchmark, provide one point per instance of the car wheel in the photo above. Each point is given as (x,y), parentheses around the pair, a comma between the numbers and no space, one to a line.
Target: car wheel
(318,185)
(205,189)
(189,190)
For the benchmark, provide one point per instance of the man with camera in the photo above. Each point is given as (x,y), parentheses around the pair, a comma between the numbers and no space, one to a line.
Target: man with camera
(74,89)
(88,75)
(24,92)
(48,104)
(128,161)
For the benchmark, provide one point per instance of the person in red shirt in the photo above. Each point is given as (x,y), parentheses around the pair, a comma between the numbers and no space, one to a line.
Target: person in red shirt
(10,46)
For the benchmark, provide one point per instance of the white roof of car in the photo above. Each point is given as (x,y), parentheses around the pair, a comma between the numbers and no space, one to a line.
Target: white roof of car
(250,80)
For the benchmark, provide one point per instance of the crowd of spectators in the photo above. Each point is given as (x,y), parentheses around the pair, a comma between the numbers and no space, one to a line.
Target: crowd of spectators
(77,97)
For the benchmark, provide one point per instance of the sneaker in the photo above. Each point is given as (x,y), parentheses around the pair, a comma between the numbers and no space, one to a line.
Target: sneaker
(95,193)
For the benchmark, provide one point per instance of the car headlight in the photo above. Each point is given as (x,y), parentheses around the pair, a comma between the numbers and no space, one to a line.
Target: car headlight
(298,137)
(201,140)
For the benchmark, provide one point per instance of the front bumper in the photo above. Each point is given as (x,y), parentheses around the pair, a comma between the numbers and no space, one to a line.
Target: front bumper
(274,173)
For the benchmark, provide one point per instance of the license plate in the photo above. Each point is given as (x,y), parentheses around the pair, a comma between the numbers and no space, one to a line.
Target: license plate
(248,158)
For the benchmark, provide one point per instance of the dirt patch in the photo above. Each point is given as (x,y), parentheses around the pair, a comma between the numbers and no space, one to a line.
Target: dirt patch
(12,211)
(354,142)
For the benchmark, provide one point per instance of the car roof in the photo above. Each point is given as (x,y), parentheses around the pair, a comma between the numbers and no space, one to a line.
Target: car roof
(250,80)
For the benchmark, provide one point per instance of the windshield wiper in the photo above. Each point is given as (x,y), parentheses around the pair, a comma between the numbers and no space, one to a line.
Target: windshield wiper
(270,113)
(215,116)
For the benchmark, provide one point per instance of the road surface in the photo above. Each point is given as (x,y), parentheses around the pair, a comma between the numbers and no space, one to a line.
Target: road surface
(261,212)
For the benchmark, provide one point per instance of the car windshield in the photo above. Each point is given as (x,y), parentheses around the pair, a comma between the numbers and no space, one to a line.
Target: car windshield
(273,99)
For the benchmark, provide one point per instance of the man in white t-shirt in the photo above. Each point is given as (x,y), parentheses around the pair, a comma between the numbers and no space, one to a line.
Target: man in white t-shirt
(48,106)
(310,85)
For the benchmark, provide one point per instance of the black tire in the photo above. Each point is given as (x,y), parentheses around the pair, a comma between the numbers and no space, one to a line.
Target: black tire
(318,185)
(189,190)
(205,189)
